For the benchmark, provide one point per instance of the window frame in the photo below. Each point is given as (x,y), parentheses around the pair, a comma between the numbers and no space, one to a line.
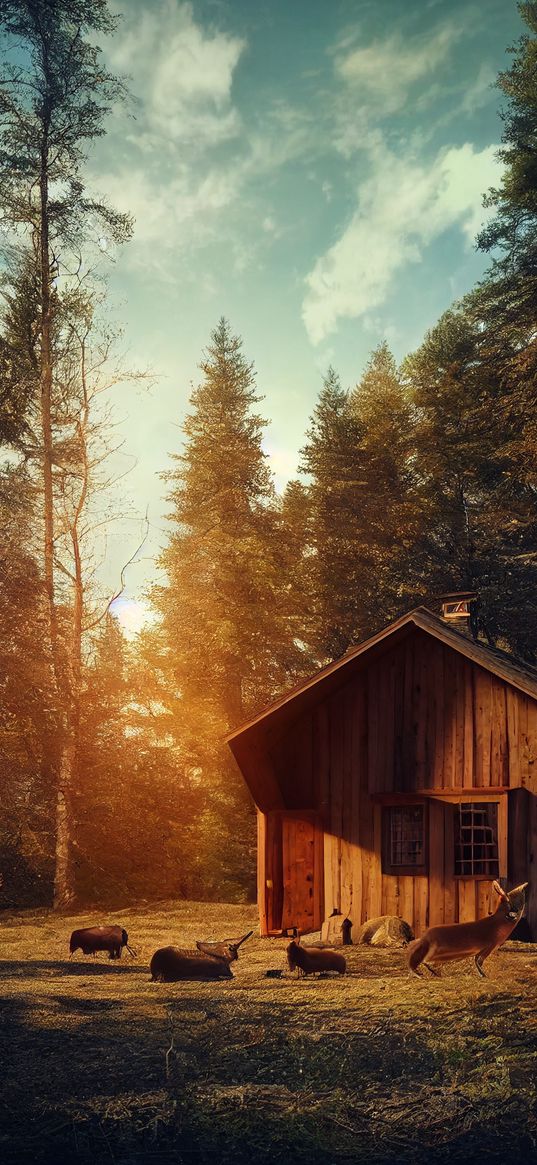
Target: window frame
(476,801)
(387,866)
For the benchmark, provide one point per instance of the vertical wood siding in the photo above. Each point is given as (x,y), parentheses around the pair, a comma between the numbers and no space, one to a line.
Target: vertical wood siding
(418,717)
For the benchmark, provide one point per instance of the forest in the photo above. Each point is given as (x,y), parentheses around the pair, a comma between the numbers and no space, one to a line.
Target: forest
(416,480)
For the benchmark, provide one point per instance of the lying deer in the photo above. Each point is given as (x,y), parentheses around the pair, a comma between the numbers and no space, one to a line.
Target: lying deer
(209,961)
(439,944)
(308,960)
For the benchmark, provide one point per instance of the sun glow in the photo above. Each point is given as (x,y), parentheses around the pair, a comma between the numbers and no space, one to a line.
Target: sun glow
(132,615)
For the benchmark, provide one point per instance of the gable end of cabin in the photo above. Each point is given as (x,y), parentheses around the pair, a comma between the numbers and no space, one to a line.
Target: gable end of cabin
(402,781)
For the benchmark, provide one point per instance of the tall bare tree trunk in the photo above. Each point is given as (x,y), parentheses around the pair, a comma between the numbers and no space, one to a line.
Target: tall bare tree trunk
(62,760)
(46,393)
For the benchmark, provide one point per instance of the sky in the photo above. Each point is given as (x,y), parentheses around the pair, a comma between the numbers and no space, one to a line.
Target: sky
(312,170)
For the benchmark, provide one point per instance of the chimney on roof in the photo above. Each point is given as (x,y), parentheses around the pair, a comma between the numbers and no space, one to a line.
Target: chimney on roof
(460,609)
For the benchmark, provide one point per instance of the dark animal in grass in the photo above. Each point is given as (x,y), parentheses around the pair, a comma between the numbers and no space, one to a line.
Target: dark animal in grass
(210,961)
(309,960)
(100,938)
(440,944)
(171,964)
(346,932)
(228,949)
(386,931)
(336,931)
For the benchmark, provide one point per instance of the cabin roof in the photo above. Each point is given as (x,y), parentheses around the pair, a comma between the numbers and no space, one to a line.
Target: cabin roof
(327,679)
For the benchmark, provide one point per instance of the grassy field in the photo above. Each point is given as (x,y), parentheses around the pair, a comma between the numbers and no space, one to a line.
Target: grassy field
(101,1064)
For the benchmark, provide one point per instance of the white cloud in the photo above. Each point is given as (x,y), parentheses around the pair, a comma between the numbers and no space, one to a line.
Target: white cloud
(181,73)
(186,165)
(183,205)
(168,215)
(328,190)
(477,95)
(384,72)
(402,207)
(271,227)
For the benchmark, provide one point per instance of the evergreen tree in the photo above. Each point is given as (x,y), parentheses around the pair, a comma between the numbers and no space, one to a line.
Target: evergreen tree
(297,593)
(27,711)
(19,356)
(364,514)
(454,454)
(513,231)
(224,636)
(472,488)
(130,785)
(389,497)
(504,305)
(331,458)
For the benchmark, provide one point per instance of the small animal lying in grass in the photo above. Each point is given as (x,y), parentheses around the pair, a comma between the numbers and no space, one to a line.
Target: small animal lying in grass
(309,960)
(100,938)
(386,931)
(209,961)
(440,944)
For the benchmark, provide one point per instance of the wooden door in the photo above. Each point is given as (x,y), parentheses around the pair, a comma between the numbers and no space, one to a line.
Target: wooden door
(302,872)
(293,871)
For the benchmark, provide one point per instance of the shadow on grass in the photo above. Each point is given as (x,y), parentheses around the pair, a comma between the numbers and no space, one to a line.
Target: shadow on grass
(230,1078)
(35,968)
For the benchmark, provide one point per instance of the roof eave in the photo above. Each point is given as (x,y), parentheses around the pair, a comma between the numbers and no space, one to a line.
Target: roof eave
(509,671)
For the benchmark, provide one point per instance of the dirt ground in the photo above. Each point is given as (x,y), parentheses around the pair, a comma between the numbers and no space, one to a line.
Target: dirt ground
(101,1064)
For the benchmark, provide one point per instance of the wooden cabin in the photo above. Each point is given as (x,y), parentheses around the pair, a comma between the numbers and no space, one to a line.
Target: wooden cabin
(401,779)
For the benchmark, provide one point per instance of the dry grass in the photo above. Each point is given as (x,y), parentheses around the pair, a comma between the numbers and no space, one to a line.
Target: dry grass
(100,1064)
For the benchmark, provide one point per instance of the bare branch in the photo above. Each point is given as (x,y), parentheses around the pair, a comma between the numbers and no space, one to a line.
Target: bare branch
(124,569)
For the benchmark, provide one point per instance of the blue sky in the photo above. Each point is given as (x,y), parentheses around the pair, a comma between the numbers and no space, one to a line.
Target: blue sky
(313,170)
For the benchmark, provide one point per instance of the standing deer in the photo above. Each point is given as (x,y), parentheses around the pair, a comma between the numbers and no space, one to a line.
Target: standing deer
(440,944)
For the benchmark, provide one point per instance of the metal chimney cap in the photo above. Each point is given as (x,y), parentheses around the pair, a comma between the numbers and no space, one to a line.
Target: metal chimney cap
(458,606)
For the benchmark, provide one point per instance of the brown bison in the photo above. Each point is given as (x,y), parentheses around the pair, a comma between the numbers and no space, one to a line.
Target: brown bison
(100,938)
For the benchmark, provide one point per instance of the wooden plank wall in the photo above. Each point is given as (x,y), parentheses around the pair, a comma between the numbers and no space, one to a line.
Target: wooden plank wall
(273,889)
(420,716)
(436,721)
(532,870)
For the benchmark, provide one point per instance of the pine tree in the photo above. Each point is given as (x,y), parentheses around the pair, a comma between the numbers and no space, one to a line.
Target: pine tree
(364,510)
(503,310)
(331,458)
(504,305)
(19,356)
(297,594)
(224,631)
(27,711)
(389,498)
(454,454)
(513,231)
(475,495)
